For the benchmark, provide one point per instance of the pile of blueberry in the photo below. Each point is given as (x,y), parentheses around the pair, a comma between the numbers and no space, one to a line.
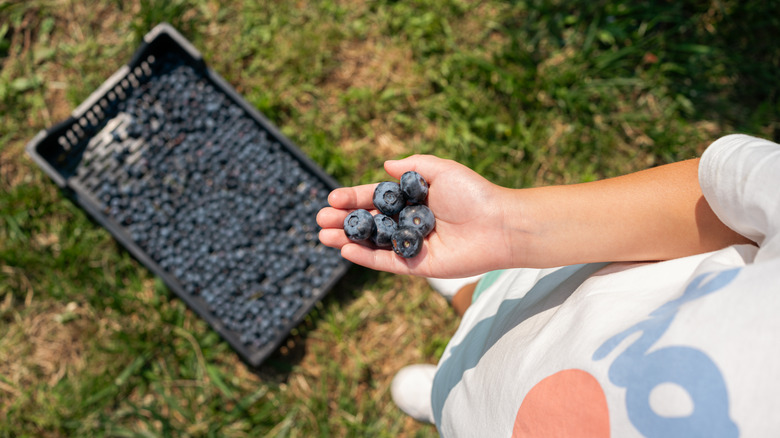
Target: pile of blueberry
(214,200)
(403,200)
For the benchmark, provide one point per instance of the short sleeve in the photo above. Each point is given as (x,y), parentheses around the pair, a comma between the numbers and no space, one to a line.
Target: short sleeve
(740,179)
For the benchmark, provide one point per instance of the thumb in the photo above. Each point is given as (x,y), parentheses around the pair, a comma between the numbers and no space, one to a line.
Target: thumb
(428,166)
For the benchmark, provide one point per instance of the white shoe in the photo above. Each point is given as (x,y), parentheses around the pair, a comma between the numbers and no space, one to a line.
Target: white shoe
(411,391)
(448,287)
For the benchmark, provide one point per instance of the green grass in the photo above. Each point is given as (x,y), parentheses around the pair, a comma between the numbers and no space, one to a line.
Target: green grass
(526,92)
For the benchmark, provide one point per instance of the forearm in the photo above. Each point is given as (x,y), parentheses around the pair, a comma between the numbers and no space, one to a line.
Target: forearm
(656,214)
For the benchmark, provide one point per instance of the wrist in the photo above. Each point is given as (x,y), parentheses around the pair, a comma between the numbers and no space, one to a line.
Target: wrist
(518,227)
(544,227)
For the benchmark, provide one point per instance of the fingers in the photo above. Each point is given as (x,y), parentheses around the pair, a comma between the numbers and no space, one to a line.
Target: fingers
(377,259)
(428,166)
(333,237)
(373,258)
(387,260)
(343,201)
(330,217)
(351,198)
(347,199)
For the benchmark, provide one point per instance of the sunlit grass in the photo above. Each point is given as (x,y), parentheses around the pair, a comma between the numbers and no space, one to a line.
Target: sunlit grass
(527,93)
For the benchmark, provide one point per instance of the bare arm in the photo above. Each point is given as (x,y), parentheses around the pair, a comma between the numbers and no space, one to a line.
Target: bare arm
(655,214)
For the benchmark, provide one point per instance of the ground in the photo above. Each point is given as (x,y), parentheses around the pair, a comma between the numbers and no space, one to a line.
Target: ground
(526,93)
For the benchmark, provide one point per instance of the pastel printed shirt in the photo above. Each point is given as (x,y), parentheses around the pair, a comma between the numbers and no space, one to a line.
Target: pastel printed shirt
(682,348)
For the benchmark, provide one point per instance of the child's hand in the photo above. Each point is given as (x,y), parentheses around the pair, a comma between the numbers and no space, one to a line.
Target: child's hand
(469,235)
(655,214)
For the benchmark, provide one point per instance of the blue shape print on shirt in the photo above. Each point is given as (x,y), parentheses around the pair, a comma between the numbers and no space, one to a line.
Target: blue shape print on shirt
(640,371)
(550,291)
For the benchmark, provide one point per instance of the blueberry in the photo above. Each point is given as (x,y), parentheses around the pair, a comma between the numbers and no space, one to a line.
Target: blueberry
(419,217)
(388,198)
(414,186)
(359,225)
(385,227)
(407,242)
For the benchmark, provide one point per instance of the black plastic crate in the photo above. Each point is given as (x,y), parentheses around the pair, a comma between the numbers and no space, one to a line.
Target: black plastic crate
(202,189)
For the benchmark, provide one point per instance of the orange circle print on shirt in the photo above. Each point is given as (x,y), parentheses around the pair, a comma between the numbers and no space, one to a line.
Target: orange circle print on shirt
(567,403)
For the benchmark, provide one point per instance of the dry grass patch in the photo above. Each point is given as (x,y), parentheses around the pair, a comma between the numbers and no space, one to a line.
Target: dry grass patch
(477,28)
(374,67)
(12,172)
(378,339)
(41,344)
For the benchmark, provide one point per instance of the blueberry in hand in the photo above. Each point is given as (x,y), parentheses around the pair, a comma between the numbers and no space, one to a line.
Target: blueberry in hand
(418,217)
(388,198)
(359,225)
(414,186)
(385,227)
(407,242)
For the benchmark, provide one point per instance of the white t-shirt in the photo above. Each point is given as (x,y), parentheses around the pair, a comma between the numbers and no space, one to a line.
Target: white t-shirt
(681,348)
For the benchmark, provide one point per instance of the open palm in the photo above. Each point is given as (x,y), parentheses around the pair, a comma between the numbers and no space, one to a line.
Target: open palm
(469,235)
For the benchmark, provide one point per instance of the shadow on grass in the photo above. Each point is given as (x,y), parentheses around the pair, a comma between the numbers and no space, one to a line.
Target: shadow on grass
(292,350)
(718,60)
